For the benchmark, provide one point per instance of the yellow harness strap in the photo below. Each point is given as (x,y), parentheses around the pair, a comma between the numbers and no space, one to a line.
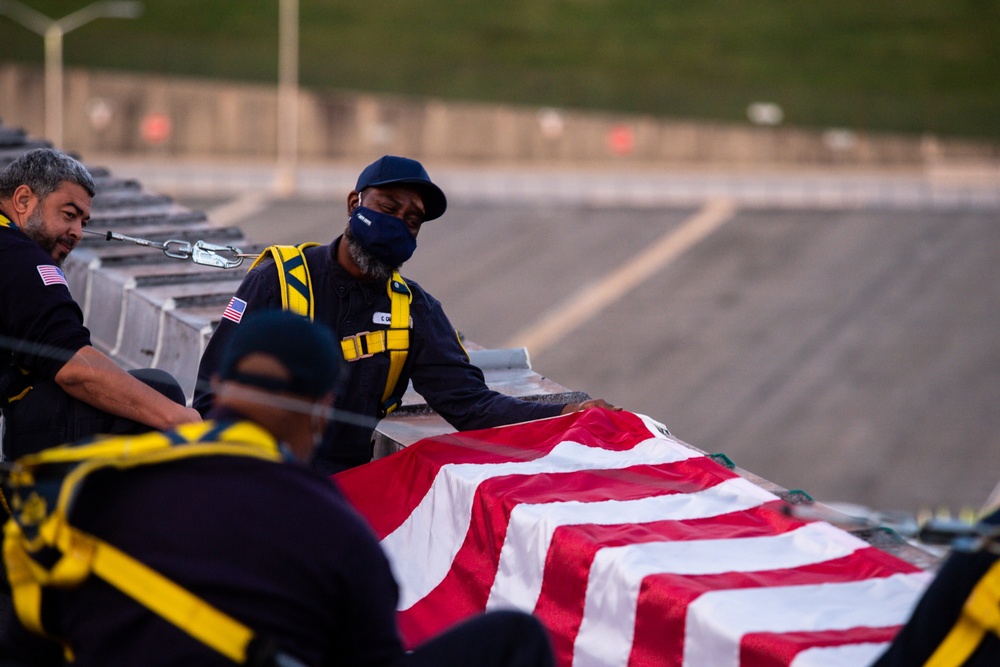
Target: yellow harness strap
(395,340)
(293,275)
(981,614)
(82,554)
(24,392)
(297,296)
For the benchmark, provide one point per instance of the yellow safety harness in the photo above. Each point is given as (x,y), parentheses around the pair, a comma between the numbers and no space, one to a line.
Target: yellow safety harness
(42,549)
(297,296)
(293,275)
(980,615)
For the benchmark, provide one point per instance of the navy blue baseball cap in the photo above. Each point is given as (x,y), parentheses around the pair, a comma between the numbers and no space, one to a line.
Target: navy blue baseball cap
(307,350)
(393,170)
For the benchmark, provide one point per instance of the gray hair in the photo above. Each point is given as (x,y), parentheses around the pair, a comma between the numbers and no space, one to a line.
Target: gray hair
(43,170)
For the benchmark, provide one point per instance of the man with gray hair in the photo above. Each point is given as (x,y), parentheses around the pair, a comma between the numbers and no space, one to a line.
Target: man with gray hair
(55,387)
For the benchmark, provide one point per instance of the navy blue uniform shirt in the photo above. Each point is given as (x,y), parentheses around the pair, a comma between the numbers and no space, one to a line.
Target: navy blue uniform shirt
(274,545)
(36,309)
(437,363)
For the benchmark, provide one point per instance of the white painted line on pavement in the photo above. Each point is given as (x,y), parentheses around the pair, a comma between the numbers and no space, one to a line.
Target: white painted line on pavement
(593,298)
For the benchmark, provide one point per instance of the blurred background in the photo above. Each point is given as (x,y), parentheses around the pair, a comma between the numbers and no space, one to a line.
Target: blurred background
(774,227)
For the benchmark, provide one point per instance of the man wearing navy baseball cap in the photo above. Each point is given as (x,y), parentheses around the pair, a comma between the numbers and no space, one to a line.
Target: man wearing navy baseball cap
(390,330)
(393,170)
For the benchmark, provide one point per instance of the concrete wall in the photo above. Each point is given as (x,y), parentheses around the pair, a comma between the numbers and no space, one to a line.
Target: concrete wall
(111,113)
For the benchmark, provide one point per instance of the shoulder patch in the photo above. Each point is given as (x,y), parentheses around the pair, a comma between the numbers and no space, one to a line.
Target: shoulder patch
(234,311)
(52,275)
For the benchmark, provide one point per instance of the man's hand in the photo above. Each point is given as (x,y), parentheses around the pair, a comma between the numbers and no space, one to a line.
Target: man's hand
(586,405)
(187,415)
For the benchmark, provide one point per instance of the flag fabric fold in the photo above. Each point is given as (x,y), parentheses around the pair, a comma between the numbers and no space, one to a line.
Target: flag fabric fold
(631,547)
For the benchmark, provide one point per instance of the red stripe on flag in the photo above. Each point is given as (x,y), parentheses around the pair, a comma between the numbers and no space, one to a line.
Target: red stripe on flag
(770,649)
(463,567)
(386,506)
(567,566)
(662,634)
(465,589)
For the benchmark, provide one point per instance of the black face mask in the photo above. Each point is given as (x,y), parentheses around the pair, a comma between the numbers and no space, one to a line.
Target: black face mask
(384,236)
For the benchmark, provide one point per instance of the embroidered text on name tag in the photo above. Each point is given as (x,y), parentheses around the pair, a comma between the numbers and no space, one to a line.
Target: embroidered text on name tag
(386,319)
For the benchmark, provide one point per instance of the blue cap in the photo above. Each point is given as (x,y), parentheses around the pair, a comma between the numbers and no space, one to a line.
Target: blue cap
(392,170)
(307,350)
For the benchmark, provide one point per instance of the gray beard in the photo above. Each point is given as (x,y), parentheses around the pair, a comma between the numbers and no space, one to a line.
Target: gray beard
(34,228)
(370,265)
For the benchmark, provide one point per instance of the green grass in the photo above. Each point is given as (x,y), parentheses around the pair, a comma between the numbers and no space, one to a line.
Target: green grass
(913,66)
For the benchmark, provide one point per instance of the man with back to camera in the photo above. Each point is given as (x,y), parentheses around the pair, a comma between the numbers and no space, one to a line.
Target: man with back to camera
(391,330)
(246,528)
(55,386)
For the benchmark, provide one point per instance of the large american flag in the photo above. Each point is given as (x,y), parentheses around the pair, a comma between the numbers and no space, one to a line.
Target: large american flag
(632,548)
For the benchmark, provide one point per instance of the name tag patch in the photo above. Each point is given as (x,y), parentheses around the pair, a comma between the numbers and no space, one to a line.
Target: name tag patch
(386,319)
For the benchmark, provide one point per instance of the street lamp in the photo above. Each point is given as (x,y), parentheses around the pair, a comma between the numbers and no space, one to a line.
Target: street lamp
(288,92)
(53,31)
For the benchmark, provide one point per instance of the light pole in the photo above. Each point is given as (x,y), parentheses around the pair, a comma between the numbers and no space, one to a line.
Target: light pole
(288,93)
(53,31)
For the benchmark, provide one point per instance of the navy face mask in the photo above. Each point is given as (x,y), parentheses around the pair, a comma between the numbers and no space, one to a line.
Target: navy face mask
(384,236)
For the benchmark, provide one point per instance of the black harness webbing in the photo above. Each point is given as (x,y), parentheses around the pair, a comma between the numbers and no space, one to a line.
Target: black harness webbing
(293,275)
(980,617)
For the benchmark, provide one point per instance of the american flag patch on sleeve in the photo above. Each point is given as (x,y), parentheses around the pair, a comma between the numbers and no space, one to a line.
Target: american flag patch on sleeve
(51,275)
(234,311)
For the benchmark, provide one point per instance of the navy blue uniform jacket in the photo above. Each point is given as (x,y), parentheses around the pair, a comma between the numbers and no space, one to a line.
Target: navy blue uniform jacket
(940,608)
(437,363)
(38,316)
(274,545)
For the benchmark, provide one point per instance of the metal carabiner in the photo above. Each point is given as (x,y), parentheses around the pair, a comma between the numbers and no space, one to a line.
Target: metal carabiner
(207,254)
(183,249)
(203,253)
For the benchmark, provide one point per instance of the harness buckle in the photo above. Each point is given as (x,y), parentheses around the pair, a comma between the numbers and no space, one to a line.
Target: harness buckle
(356,339)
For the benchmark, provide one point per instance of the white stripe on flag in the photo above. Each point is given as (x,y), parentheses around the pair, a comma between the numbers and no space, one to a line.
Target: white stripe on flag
(848,655)
(717,620)
(421,550)
(609,610)
(522,559)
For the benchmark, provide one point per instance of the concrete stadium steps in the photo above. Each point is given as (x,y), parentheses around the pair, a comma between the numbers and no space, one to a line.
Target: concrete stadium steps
(138,302)
(145,309)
